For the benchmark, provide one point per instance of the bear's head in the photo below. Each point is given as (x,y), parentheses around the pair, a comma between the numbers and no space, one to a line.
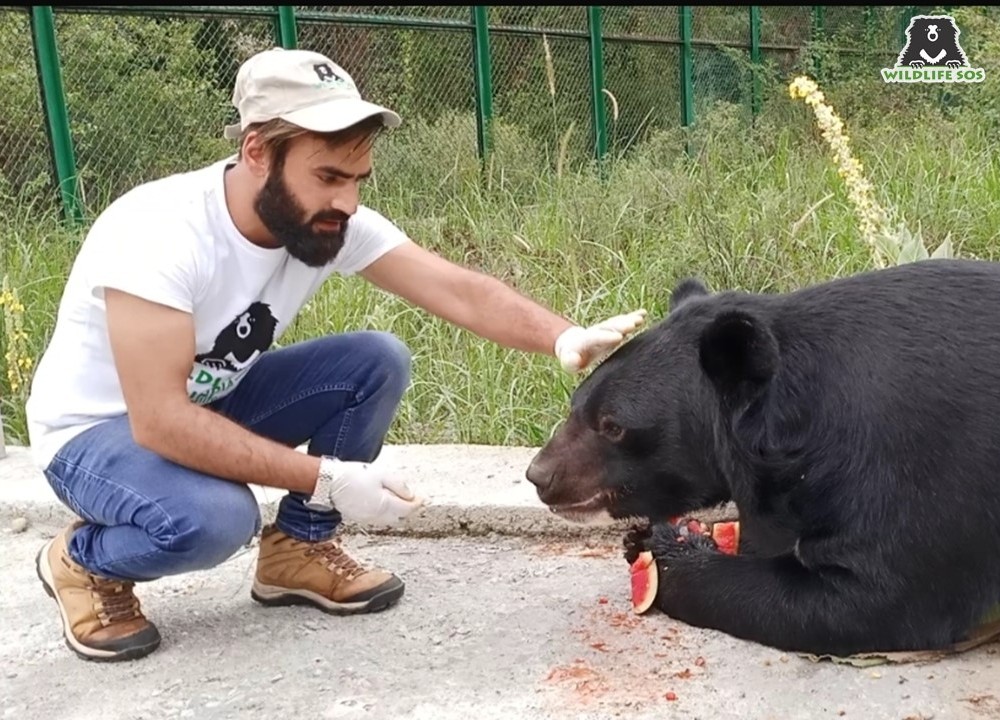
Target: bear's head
(640,436)
(259,322)
(930,30)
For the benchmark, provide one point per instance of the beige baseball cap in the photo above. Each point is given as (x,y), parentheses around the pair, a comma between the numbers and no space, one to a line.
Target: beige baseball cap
(302,87)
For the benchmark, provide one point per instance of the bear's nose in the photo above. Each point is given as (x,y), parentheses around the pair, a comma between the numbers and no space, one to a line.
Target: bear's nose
(538,475)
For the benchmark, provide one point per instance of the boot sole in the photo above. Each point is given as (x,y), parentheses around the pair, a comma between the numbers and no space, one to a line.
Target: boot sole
(274,596)
(85,652)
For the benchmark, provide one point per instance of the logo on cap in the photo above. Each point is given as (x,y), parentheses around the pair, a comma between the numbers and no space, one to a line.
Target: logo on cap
(329,78)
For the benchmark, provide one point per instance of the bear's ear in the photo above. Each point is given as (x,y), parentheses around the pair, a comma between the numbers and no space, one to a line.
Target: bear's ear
(686,289)
(738,350)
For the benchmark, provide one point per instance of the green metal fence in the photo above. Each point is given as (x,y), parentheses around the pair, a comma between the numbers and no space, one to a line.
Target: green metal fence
(98,98)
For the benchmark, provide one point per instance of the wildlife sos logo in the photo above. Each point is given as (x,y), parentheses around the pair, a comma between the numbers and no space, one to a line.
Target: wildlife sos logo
(328,78)
(238,346)
(932,54)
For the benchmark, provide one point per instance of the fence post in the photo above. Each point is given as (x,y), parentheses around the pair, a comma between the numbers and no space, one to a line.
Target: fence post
(869,31)
(818,23)
(43,36)
(3,442)
(598,108)
(286,28)
(483,71)
(687,66)
(755,58)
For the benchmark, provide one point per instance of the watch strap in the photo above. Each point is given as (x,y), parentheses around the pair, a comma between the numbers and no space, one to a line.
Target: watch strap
(320,500)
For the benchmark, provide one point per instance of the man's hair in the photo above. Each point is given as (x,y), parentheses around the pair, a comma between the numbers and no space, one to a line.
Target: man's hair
(275,135)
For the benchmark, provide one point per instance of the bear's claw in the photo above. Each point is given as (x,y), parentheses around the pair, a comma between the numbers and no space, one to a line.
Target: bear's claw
(666,541)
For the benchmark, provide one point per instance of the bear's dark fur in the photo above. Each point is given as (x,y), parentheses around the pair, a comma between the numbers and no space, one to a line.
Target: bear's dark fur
(854,423)
(932,40)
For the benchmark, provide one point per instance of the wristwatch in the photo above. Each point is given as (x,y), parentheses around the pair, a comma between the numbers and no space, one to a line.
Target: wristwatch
(320,500)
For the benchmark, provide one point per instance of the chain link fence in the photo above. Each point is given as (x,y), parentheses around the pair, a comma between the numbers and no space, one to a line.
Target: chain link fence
(99,98)
(25,164)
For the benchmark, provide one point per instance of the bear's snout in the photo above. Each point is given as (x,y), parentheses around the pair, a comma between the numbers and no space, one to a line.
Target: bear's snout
(539,473)
(567,474)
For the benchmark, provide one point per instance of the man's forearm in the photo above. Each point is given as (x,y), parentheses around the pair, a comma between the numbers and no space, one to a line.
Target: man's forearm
(510,318)
(203,440)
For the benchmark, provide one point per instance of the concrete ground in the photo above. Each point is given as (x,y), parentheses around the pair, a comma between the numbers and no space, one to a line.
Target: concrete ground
(507,614)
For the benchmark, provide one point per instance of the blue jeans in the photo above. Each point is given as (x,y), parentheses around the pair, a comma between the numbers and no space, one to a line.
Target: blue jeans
(147,517)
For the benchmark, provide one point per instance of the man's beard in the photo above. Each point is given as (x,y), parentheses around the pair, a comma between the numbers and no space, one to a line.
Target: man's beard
(282,214)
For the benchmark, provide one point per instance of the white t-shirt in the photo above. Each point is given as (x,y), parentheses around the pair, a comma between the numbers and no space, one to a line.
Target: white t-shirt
(173,241)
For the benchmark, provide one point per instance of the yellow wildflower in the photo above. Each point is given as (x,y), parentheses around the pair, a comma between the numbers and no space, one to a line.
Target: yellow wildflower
(802,87)
(874,220)
(18,361)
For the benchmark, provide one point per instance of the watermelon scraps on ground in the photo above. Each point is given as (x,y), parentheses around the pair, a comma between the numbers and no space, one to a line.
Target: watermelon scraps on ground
(643,571)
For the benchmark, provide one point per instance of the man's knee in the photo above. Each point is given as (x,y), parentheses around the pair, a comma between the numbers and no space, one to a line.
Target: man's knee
(389,357)
(393,351)
(214,526)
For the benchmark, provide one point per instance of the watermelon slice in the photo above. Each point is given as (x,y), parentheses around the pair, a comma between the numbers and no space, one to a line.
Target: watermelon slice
(644,573)
(644,581)
(727,536)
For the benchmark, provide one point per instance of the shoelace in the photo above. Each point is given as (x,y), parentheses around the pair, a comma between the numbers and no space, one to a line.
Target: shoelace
(337,559)
(116,603)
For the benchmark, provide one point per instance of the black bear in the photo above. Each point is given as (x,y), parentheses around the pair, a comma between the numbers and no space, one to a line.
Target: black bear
(242,340)
(855,424)
(932,40)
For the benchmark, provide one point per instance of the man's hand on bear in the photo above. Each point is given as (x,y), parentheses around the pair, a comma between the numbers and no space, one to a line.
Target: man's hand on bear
(577,348)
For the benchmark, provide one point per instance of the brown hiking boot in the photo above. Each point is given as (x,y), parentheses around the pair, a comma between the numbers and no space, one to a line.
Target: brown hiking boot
(292,572)
(102,620)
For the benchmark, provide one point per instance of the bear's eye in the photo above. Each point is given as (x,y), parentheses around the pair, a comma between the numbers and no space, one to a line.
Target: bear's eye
(611,430)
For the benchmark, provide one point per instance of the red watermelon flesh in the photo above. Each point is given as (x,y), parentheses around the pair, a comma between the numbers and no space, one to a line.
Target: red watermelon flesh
(644,577)
(697,527)
(727,536)
(644,573)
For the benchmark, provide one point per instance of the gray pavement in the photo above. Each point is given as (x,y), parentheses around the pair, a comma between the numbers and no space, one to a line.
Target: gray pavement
(471,490)
(505,615)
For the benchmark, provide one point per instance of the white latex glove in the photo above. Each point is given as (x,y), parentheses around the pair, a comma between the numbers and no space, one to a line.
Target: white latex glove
(577,348)
(363,493)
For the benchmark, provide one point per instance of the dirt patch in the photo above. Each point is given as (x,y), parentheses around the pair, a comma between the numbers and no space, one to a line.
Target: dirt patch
(987,706)
(625,660)
(584,548)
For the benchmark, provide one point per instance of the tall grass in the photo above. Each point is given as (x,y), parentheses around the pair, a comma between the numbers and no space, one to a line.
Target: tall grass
(756,207)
